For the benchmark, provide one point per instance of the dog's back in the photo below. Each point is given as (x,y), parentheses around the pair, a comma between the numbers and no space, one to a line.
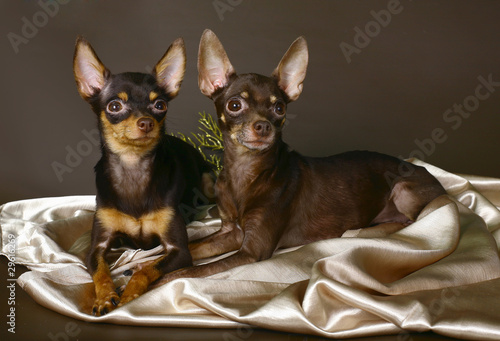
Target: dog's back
(329,195)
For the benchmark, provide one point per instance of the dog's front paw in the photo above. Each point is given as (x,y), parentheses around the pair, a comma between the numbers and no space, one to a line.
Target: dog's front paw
(127,298)
(137,285)
(105,304)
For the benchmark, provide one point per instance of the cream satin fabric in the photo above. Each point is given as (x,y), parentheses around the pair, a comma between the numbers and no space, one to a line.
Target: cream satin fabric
(441,273)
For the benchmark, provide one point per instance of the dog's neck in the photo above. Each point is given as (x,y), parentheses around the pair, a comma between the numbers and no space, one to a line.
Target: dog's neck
(244,166)
(131,160)
(130,173)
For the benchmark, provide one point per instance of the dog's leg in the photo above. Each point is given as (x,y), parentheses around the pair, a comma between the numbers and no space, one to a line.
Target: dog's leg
(150,272)
(411,195)
(237,259)
(106,297)
(261,234)
(178,256)
(242,257)
(142,277)
(228,238)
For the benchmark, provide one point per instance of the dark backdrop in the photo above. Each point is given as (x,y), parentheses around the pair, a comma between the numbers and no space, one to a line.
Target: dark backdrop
(407,78)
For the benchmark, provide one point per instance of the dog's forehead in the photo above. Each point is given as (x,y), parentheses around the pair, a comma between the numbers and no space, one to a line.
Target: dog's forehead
(137,86)
(255,87)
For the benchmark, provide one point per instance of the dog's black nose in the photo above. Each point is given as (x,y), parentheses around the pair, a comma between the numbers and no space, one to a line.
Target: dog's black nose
(145,124)
(262,128)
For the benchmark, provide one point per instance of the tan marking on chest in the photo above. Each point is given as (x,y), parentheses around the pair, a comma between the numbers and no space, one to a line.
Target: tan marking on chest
(156,222)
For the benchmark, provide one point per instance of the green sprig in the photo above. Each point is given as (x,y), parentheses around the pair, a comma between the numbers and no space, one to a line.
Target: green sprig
(209,140)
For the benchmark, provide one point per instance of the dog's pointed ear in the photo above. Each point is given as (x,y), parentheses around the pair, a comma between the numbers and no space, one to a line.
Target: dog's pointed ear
(214,67)
(291,70)
(169,71)
(90,73)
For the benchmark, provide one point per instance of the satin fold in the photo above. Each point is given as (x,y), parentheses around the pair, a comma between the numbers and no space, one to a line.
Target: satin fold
(441,273)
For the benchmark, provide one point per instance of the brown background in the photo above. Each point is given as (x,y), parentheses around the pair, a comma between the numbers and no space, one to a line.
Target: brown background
(391,95)
(393,92)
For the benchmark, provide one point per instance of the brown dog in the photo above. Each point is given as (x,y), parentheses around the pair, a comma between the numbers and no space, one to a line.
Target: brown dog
(270,197)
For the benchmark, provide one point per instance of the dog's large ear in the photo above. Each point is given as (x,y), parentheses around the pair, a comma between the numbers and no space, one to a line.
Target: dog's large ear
(169,71)
(214,67)
(90,73)
(291,70)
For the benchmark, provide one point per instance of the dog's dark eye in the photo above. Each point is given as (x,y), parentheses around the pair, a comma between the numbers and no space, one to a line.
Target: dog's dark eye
(234,105)
(115,106)
(160,105)
(280,108)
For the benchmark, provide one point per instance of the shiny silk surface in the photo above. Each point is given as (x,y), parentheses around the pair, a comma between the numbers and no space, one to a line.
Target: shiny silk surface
(441,273)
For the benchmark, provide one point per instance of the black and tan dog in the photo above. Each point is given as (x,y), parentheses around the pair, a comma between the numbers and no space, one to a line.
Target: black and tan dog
(143,174)
(271,197)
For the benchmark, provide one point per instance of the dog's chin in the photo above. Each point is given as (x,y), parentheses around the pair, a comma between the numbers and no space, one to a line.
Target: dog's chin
(256,145)
(141,140)
(136,144)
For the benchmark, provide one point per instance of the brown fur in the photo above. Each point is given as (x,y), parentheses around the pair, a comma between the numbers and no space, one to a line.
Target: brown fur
(271,197)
